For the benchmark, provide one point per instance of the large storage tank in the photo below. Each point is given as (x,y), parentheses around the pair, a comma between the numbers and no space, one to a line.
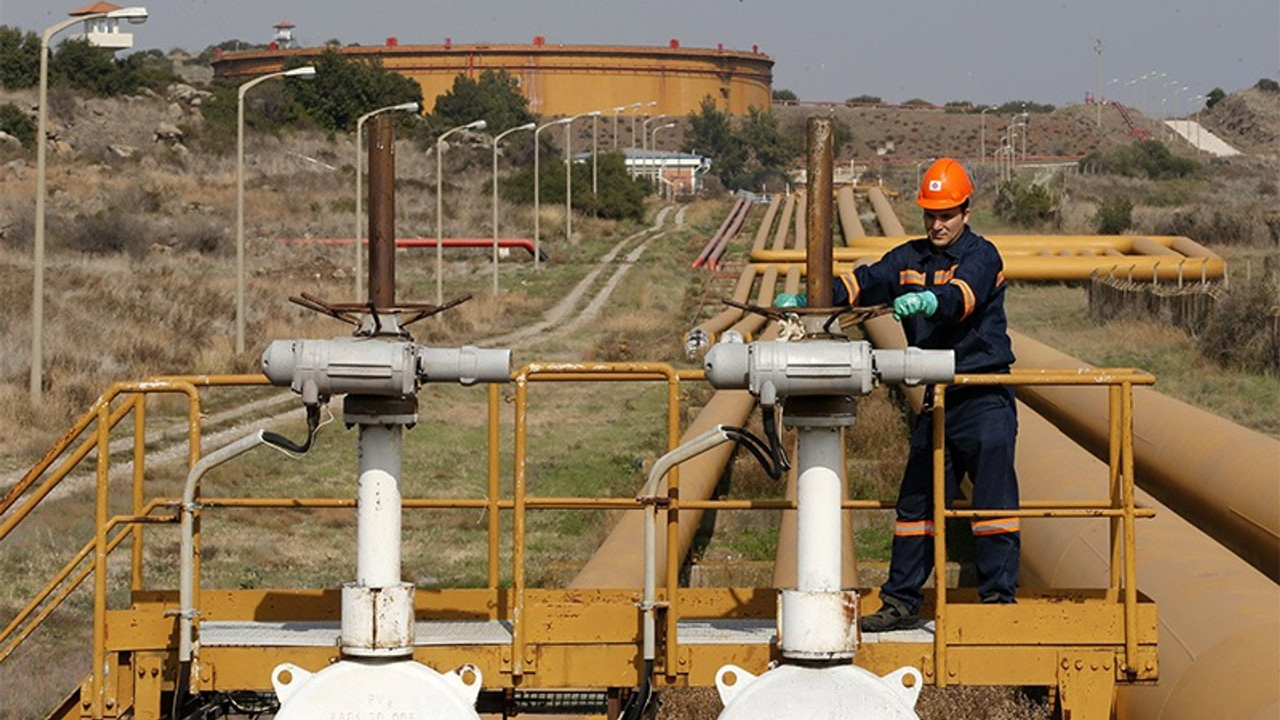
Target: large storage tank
(564,79)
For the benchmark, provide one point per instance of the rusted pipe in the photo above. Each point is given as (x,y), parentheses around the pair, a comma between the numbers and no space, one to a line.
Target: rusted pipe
(715,239)
(382,212)
(821,154)
(734,227)
(416,242)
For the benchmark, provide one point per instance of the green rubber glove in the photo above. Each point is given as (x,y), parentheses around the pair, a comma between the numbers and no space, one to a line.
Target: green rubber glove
(918,303)
(791,300)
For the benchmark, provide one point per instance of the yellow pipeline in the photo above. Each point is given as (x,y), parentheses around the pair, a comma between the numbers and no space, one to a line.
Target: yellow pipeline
(762,233)
(849,220)
(1140,268)
(1163,258)
(1216,474)
(890,225)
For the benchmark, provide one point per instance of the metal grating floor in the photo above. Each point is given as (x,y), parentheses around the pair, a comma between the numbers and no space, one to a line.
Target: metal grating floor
(498,632)
(244,633)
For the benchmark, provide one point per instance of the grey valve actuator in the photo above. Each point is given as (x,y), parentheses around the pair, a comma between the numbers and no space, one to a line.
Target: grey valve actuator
(771,370)
(319,369)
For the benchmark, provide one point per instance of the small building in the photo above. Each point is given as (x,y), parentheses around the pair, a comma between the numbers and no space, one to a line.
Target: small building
(283,39)
(680,173)
(104,32)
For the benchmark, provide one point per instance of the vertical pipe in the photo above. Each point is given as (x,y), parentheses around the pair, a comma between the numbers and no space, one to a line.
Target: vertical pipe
(139,404)
(517,526)
(1130,533)
(940,535)
(98,682)
(382,213)
(821,138)
(378,506)
(1117,497)
(818,499)
(495,469)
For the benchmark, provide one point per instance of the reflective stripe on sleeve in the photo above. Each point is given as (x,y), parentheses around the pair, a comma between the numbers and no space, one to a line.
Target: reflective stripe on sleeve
(851,286)
(911,277)
(970,301)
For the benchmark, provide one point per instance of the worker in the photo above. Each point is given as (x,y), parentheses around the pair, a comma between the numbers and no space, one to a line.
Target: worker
(948,291)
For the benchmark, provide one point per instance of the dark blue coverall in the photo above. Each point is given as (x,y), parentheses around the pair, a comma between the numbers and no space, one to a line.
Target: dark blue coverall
(981,422)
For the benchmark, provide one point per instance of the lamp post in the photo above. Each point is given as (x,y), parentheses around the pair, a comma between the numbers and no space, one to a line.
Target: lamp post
(634,108)
(653,137)
(407,107)
(473,125)
(301,72)
(568,172)
(982,132)
(537,206)
(1026,123)
(644,130)
(133,15)
(595,134)
(616,110)
(498,138)
(1097,77)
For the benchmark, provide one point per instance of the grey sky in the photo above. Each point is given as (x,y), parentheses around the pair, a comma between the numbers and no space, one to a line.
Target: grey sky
(987,51)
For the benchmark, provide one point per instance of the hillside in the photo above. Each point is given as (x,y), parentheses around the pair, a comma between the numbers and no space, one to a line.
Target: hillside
(141,221)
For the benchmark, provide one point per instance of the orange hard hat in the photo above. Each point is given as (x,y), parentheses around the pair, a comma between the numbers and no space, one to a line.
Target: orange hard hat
(945,185)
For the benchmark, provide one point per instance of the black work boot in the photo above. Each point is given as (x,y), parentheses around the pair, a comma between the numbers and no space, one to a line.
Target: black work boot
(892,615)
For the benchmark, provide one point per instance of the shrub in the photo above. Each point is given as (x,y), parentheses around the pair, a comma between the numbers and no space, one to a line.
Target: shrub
(1244,327)
(18,124)
(344,89)
(1268,85)
(108,232)
(865,100)
(494,98)
(784,95)
(1143,159)
(1115,215)
(1025,204)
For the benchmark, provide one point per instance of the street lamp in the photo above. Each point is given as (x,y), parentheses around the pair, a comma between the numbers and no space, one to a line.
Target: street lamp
(634,108)
(406,107)
(473,125)
(653,136)
(537,207)
(982,133)
(918,164)
(568,172)
(644,130)
(496,140)
(617,110)
(134,15)
(1097,77)
(305,72)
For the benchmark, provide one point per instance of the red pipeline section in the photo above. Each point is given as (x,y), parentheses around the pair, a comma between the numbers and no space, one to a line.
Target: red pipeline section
(522,243)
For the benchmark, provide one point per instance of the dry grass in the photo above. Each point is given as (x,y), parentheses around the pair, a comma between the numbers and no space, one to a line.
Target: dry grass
(172,310)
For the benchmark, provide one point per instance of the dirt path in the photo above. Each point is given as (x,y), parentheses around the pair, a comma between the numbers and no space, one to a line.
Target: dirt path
(168,444)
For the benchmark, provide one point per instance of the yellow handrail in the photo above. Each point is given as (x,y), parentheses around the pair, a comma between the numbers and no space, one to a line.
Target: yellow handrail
(1119,507)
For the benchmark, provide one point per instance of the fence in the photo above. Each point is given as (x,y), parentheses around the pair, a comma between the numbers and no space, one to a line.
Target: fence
(1184,306)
